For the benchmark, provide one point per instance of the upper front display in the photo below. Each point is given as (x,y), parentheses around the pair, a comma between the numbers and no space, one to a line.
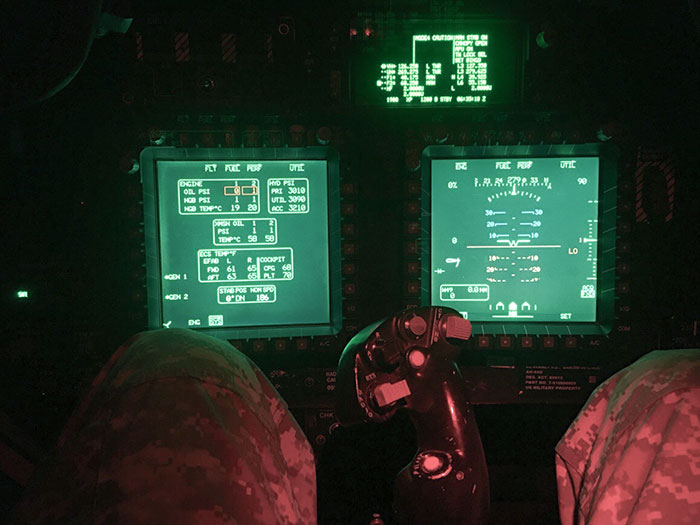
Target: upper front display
(457,63)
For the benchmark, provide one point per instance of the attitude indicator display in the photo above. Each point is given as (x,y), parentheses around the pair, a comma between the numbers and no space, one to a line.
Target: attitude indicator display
(516,239)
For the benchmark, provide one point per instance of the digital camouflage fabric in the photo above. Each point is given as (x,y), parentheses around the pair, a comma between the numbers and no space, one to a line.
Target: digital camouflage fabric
(632,455)
(178,428)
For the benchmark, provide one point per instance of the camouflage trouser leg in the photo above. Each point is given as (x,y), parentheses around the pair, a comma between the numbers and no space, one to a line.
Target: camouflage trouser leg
(633,454)
(179,428)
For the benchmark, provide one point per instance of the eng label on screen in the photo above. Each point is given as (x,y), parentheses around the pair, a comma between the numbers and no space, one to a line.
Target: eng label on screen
(243,232)
(464,292)
(247,294)
(288,195)
(245,264)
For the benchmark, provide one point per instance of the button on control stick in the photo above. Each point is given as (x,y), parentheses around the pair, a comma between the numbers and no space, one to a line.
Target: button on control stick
(416,325)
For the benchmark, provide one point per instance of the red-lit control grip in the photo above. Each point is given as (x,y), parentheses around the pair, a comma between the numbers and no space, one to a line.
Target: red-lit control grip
(456,327)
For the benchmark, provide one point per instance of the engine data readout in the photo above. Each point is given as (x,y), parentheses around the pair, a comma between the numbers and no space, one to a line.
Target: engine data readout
(516,239)
(243,243)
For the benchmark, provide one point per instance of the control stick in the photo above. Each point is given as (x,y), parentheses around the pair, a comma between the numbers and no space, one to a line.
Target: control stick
(408,362)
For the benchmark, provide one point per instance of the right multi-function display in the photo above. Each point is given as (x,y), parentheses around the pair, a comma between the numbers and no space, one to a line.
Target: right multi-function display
(516,236)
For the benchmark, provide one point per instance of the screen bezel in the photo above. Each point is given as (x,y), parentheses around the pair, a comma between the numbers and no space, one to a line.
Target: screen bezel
(607,224)
(148,163)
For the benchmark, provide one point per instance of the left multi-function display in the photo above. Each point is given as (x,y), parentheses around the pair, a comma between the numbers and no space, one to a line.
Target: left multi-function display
(243,243)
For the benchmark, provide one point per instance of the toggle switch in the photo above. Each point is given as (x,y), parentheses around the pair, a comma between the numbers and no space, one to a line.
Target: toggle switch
(387,393)
(457,328)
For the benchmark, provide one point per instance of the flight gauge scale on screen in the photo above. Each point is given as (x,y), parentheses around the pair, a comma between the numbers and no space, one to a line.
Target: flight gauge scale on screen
(243,243)
(521,239)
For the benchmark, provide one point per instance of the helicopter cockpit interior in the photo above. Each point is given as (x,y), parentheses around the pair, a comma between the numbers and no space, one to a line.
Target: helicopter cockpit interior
(488,208)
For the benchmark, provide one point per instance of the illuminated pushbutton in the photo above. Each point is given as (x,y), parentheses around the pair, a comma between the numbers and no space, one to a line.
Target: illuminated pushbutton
(411,248)
(283,29)
(416,358)
(413,288)
(431,464)
(157,137)
(297,135)
(416,325)
(483,341)
(251,136)
(348,188)
(349,229)
(412,268)
(208,140)
(412,207)
(505,341)
(274,138)
(623,268)
(441,134)
(413,188)
(570,342)
(412,228)
(324,135)
(129,164)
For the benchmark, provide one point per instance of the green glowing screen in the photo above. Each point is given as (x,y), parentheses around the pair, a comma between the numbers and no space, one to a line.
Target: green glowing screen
(243,241)
(460,63)
(516,239)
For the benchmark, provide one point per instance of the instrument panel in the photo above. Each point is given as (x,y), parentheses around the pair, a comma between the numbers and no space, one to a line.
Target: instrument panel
(190,92)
